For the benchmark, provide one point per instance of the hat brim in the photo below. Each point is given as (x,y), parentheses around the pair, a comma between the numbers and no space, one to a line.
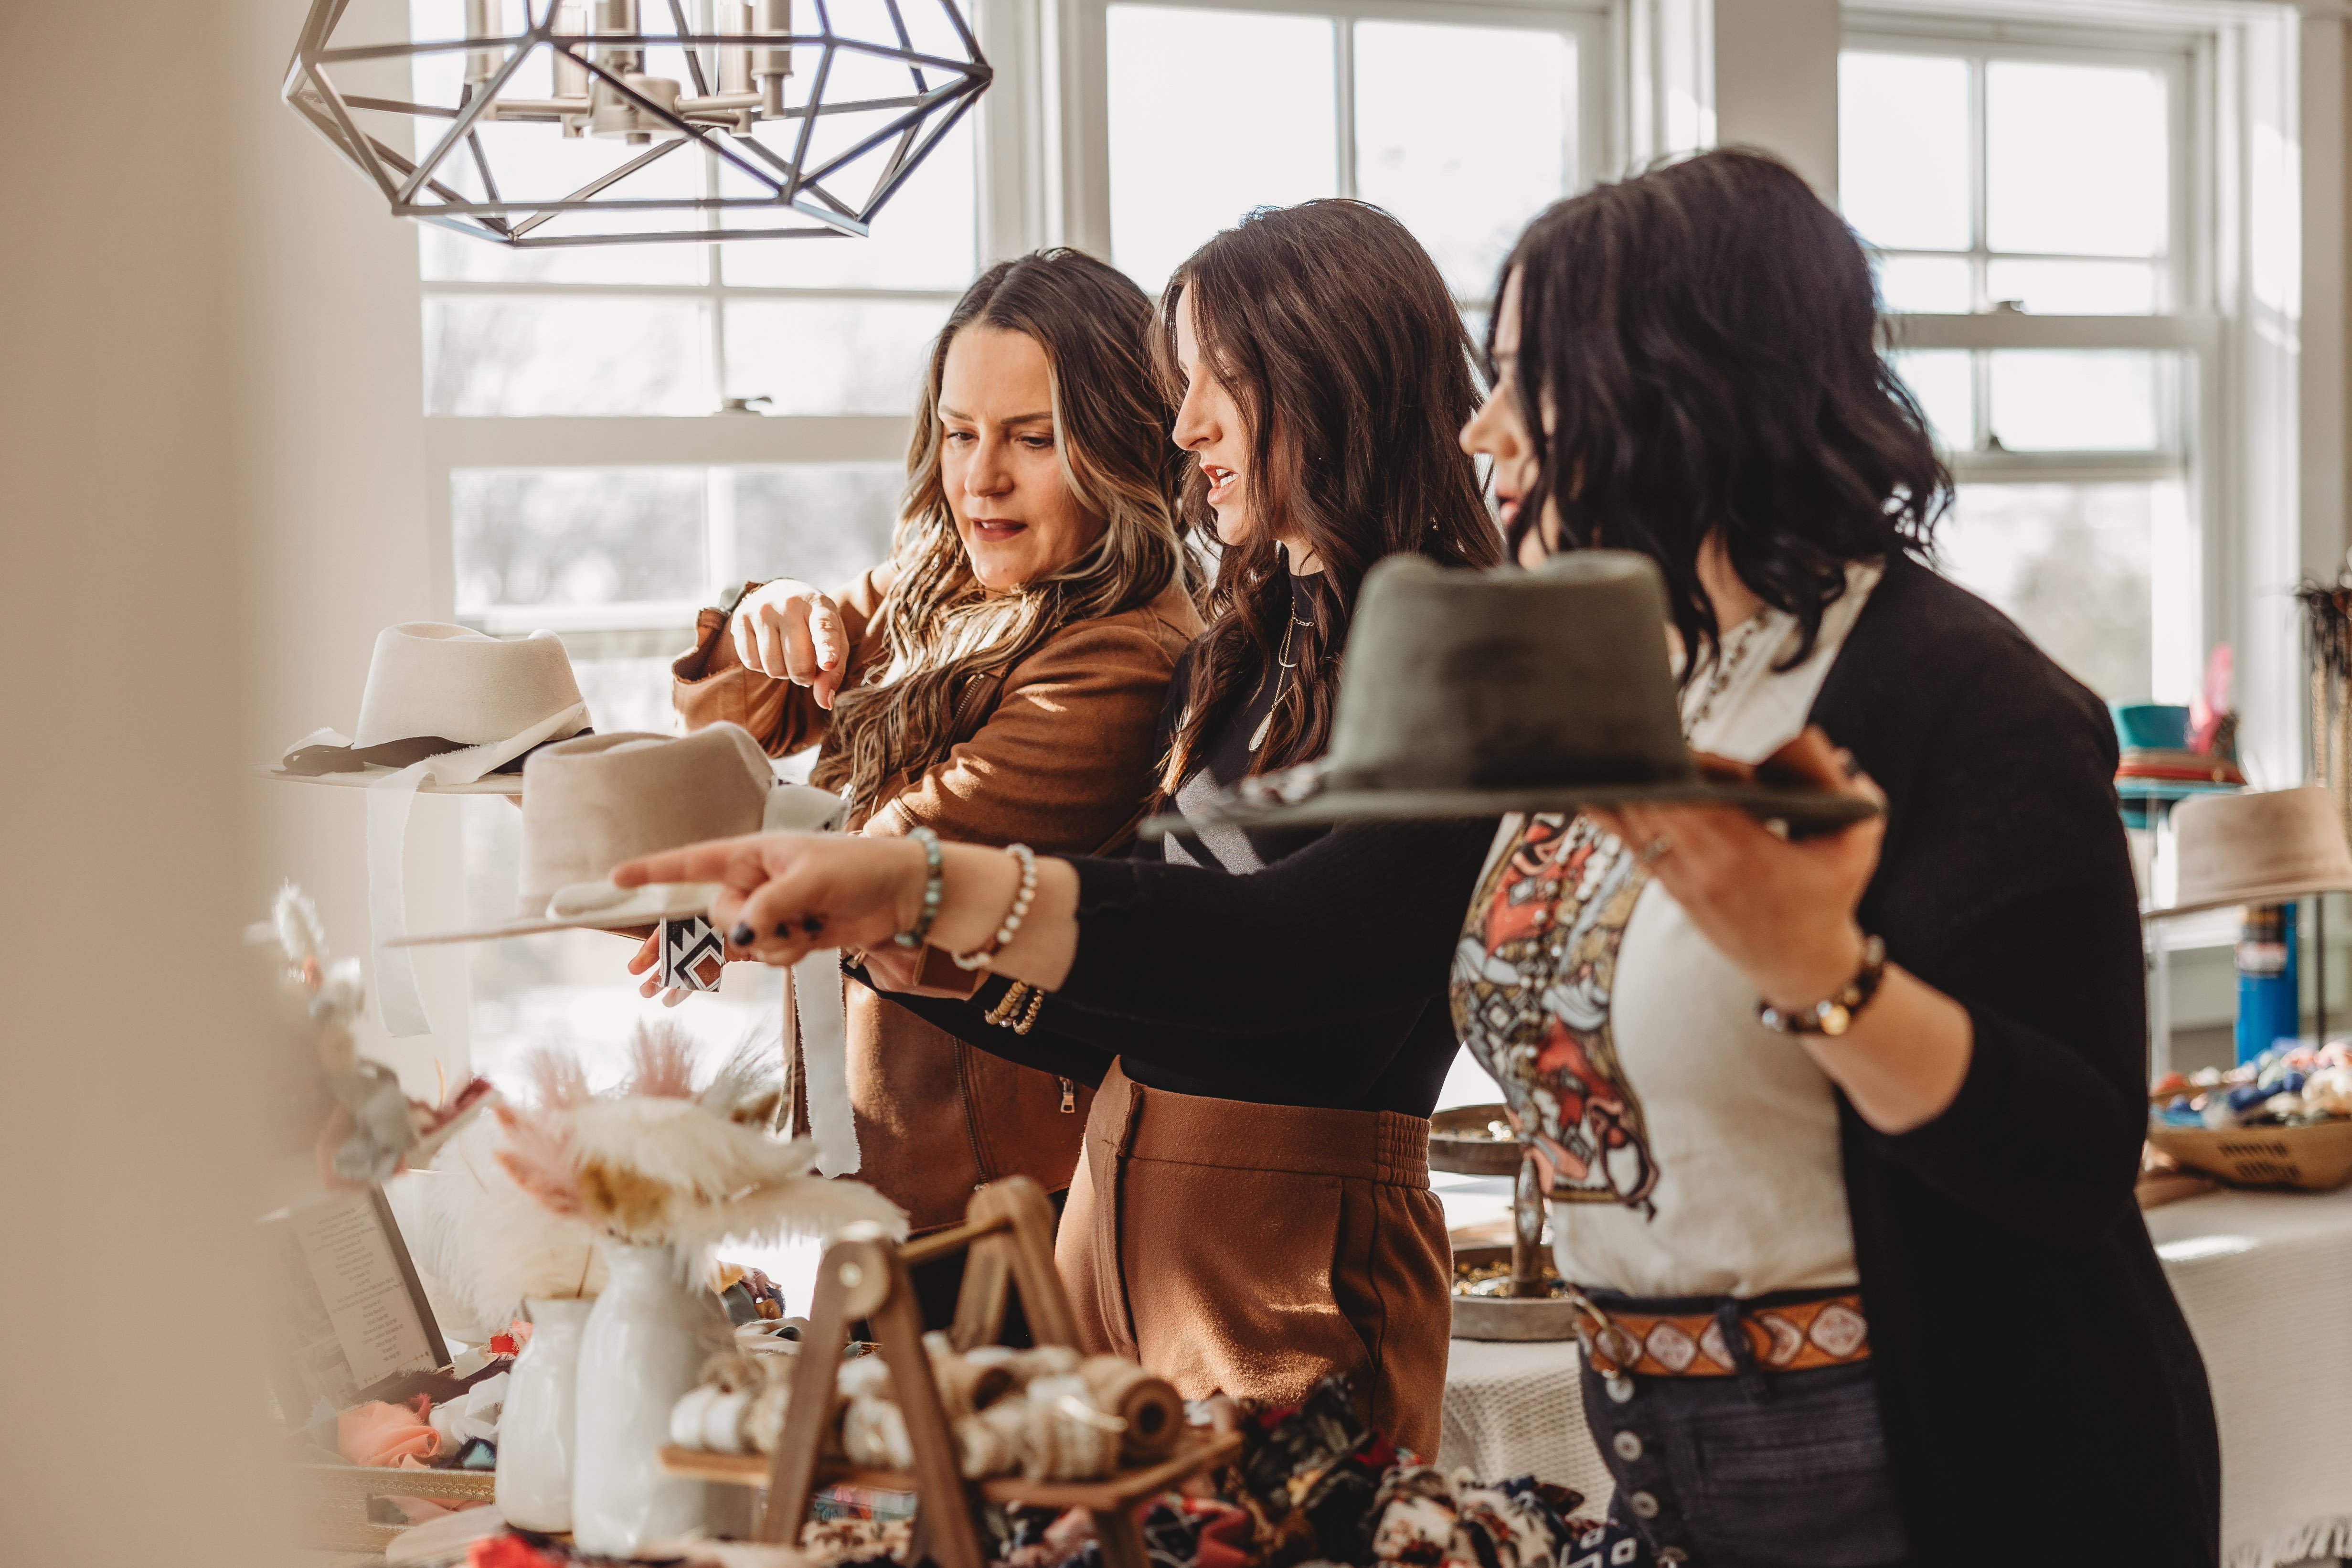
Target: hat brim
(655,901)
(2265,893)
(1811,808)
(508,784)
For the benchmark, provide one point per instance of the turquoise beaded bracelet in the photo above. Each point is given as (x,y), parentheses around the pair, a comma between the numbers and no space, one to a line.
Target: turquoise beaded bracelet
(933,860)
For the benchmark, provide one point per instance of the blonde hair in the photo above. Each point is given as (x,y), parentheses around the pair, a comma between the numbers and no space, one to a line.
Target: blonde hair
(1111,423)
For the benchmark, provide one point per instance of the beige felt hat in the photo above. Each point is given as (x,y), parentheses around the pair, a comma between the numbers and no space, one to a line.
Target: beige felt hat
(1475,693)
(592,803)
(2258,847)
(479,703)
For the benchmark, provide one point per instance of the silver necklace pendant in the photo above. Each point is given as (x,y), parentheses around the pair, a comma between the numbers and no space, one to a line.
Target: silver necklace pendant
(1257,736)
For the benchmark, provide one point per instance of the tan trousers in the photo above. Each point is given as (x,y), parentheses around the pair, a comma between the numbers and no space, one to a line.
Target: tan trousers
(1258,1248)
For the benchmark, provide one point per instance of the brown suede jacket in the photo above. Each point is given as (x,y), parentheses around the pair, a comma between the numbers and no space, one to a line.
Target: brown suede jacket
(1056,752)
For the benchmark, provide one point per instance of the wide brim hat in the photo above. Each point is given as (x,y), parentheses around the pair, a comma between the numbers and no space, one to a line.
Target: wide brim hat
(1467,694)
(2255,847)
(472,704)
(590,803)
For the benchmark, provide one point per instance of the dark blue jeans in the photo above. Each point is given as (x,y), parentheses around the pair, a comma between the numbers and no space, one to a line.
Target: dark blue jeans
(1785,1470)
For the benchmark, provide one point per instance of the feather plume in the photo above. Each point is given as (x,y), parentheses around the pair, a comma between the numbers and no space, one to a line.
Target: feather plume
(750,1087)
(814,1207)
(556,1081)
(538,1157)
(489,1242)
(661,1063)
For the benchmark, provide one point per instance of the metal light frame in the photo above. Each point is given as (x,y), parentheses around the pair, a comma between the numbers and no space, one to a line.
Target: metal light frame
(614,98)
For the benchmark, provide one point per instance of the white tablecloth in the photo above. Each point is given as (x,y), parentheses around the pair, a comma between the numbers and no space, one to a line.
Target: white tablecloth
(2265,1280)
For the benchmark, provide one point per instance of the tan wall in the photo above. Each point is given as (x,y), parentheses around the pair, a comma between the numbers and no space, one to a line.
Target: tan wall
(134,1063)
(1776,82)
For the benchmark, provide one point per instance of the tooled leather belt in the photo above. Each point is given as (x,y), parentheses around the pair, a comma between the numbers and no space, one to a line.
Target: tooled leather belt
(1785,1336)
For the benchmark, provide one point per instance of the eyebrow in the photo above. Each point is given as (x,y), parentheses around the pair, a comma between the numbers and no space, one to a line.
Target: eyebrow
(948,413)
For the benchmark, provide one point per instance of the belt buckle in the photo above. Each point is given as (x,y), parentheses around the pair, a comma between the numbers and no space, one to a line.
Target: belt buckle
(1613,1373)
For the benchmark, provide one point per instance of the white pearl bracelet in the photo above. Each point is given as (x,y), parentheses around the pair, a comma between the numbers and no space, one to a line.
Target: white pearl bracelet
(985,957)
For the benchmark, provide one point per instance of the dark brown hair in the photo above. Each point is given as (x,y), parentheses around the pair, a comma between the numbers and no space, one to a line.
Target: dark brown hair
(1335,334)
(1111,419)
(1698,344)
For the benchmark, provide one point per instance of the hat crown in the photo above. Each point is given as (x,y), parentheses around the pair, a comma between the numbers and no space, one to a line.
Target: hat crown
(1507,678)
(592,803)
(2260,847)
(426,678)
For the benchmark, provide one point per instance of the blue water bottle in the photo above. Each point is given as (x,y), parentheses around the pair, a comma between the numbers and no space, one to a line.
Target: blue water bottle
(2269,993)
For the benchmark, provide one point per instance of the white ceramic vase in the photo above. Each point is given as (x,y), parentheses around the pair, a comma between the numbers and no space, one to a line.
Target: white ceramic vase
(535,1429)
(643,1348)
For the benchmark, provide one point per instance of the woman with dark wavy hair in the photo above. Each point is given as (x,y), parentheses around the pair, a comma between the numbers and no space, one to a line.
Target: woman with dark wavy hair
(1863,1275)
(997,680)
(1321,374)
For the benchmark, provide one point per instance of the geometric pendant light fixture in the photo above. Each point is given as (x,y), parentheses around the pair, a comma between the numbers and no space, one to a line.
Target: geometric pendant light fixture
(543,123)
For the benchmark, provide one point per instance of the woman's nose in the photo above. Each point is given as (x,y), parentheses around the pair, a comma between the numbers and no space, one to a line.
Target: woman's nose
(990,474)
(1192,430)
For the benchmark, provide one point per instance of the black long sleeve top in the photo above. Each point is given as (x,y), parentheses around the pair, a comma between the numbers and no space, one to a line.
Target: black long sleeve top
(1287,1032)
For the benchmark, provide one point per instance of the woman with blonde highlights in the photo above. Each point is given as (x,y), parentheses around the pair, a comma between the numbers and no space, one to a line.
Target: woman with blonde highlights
(997,680)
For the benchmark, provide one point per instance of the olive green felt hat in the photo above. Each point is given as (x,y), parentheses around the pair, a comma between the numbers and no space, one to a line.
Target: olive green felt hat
(1476,693)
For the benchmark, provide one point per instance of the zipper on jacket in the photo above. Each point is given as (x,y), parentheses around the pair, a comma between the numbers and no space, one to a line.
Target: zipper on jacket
(1069,1097)
(970,1117)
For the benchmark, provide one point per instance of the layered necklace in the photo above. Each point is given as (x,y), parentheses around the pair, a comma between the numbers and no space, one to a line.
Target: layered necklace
(1283,662)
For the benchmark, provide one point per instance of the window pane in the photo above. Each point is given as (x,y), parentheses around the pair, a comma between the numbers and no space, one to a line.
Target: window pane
(1432,104)
(595,355)
(2074,287)
(821,522)
(1936,284)
(1212,113)
(924,237)
(2073,564)
(1941,381)
(1903,149)
(830,356)
(2051,400)
(575,536)
(2076,158)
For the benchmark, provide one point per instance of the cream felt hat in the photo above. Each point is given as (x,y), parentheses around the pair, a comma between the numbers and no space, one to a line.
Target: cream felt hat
(592,803)
(473,703)
(2264,847)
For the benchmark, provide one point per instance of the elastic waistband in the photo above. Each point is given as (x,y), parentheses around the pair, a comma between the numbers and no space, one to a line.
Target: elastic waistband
(1145,1123)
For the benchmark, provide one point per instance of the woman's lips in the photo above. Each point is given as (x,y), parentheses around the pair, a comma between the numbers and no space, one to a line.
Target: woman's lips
(996,529)
(1507,507)
(1221,482)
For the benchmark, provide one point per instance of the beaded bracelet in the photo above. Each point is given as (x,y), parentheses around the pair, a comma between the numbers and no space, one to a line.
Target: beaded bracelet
(1001,1015)
(982,958)
(933,862)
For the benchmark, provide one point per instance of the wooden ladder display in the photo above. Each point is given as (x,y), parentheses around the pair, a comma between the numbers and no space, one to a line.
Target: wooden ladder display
(1008,1230)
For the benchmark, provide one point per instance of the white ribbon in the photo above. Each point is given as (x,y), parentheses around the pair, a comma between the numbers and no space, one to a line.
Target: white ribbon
(814,990)
(389,799)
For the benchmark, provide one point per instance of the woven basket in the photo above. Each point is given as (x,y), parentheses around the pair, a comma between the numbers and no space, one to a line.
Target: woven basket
(2316,1158)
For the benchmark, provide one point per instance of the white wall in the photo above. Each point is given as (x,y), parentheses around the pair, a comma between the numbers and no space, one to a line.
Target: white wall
(332,439)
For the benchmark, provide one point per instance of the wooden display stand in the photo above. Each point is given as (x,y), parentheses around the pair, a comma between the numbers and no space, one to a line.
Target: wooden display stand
(1009,1231)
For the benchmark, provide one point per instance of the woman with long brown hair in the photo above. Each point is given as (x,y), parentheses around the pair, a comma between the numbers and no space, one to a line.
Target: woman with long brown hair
(1254,1214)
(995,682)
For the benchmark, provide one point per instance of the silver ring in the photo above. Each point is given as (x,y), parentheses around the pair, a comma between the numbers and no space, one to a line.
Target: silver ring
(1655,850)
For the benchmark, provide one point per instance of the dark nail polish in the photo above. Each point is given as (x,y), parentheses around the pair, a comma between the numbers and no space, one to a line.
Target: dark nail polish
(785,928)
(813,924)
(743,935)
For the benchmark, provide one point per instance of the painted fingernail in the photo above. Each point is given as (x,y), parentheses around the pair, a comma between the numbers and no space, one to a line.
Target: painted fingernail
(813,924)
(785,929)
(743,935)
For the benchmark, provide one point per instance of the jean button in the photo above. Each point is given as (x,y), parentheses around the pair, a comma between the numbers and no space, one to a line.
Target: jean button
(1643,1505)
(1628,1446)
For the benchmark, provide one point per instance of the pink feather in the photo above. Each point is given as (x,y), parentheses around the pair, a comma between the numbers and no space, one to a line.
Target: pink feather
(538,1157)
(557,1082)
(661,1063)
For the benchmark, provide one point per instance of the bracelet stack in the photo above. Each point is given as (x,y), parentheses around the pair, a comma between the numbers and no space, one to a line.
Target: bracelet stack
(983,958)
(933,863)
(1008,1013)
(1834,1015)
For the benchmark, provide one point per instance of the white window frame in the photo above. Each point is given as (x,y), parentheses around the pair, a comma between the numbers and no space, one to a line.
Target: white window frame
(1043,179)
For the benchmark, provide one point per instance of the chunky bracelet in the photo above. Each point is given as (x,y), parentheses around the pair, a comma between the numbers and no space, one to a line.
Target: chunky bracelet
(1835,1015)
(933,862)
(1008,1004)
(981,958)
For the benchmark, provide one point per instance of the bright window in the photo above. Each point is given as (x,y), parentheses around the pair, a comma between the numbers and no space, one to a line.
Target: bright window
(2012,192)
(1278,108)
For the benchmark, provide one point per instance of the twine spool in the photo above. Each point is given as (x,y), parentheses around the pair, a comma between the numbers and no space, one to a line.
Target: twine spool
(967,1384)
(1150,1406)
